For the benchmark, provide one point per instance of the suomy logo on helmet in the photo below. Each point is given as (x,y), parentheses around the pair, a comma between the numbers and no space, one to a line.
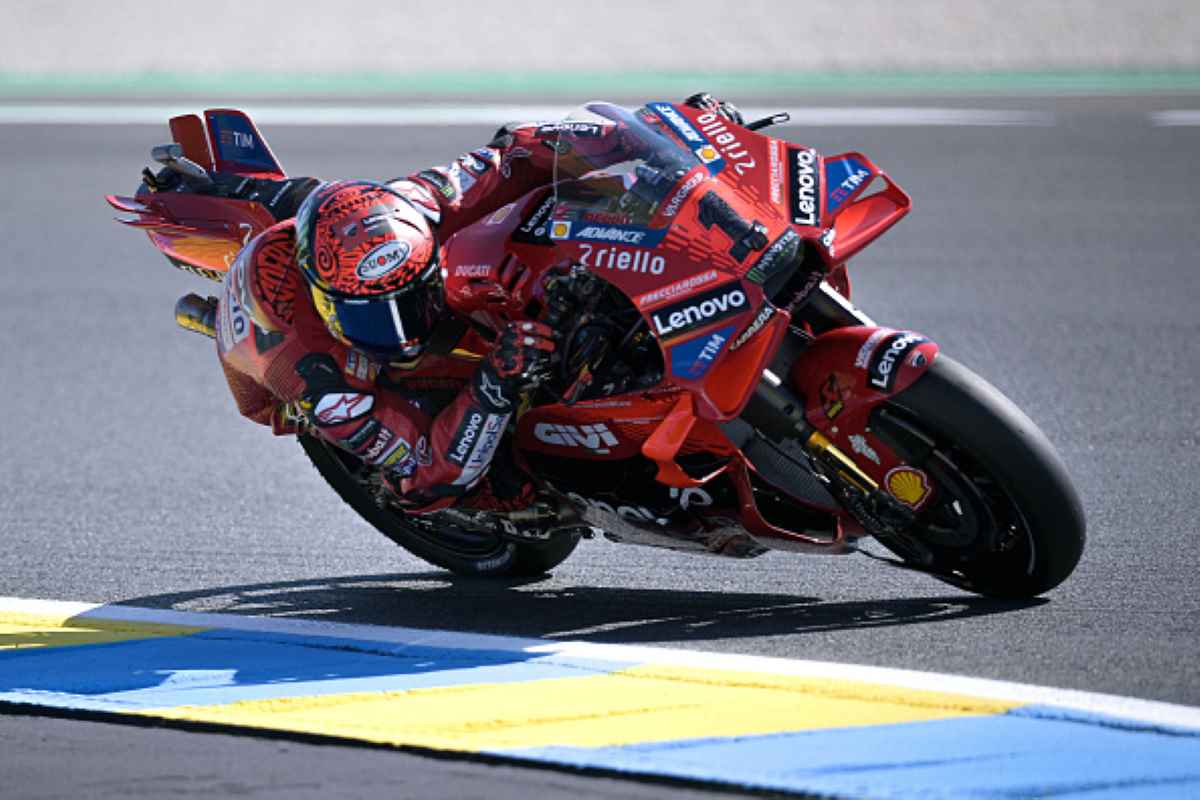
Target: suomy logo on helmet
(382,260)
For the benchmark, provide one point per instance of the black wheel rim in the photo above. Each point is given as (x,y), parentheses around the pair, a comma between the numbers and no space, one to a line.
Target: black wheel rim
(973,520)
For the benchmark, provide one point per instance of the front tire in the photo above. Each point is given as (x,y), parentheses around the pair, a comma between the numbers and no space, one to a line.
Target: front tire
(1006,521)
(443,544)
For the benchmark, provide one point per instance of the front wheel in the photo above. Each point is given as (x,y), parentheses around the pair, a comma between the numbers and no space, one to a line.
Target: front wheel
(429,536)
(1005,520)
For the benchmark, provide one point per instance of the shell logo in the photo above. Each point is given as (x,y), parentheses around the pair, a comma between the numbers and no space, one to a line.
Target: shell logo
(708,153)
(909,486)
(560,230)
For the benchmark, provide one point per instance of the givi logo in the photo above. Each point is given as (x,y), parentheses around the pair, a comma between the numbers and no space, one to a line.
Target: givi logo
(596,438)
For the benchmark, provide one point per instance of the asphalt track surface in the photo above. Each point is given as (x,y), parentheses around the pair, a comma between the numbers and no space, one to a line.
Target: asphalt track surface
(1058,261)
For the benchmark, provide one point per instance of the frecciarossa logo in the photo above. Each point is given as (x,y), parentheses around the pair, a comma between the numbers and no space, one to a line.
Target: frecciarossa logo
(696,312)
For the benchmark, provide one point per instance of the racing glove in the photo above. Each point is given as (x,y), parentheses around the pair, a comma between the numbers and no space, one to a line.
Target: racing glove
(281,198)
(519,361)
(706,101)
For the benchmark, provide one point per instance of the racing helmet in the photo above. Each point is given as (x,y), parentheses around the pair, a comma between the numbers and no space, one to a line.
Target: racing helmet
(371,263)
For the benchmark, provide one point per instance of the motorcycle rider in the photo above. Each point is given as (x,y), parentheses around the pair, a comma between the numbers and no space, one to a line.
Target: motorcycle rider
(335,318)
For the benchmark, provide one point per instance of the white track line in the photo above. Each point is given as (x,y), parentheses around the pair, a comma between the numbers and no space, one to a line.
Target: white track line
(1130,709)
(457,115)
(1172,119)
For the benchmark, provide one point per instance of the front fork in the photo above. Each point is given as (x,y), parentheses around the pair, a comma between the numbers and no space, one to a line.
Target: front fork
(784,414)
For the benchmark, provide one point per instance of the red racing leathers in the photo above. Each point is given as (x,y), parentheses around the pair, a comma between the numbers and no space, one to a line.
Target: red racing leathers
(434,428)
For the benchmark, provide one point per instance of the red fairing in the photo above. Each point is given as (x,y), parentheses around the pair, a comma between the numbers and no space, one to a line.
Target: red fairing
(848,372)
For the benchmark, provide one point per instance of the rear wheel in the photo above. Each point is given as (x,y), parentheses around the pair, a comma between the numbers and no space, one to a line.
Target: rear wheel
(1005,520)
(431,537)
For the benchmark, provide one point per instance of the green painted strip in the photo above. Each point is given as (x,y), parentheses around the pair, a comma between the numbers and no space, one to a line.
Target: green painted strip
(584,85)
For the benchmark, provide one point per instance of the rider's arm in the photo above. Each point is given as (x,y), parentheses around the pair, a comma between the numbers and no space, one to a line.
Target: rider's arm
(519,158)
(429,462)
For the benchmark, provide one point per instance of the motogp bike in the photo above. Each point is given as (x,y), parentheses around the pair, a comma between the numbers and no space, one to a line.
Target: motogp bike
(717,391)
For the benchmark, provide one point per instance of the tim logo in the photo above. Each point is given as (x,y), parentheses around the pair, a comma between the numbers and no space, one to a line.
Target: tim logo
(596,438)
(244,141)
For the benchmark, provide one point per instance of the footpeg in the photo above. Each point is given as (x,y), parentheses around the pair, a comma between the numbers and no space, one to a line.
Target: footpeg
(195,313)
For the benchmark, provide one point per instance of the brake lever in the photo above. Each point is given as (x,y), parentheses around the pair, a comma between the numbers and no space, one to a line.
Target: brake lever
(766,122)
(171,156)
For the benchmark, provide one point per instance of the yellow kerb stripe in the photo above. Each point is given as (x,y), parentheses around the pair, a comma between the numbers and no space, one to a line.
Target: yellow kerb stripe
(19,630)
(642,704)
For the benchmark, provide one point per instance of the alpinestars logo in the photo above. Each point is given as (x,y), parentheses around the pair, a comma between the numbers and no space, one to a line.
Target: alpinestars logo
(338,407)
(687,315)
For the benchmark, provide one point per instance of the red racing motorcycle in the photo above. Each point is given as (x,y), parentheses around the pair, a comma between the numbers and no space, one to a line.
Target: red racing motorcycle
(717,392)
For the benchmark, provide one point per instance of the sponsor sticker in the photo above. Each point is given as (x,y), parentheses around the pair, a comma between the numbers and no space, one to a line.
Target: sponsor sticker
(833,396)
(620,259)
(534,229)
(763,316)
(509,156)
(680,287)
(804,182)
(780,254)
(492,392)
(775,171)
(717,304)
(673,205)
(908,485)
(383,439)
(236,141)
(692,359)
(864,353)
(472,270)
(462,178)
(465,436)
(885,362)
(365,433)
(725,138)
(859,444)
(490,429)
(383,259)
(696,141)
(500,214)
(582,231)
(233,322)
(595,438)
(335,408)
(440,181)
(844,177)
(396,455)
(581,129)
(360,366)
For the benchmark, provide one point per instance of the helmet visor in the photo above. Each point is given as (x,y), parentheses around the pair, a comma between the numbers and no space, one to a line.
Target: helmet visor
(399,324)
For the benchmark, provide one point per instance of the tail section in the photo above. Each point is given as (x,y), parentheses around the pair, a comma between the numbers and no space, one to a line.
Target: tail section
(236,144)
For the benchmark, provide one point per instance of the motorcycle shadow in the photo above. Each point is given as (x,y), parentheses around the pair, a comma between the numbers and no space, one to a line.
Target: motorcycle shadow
(522,608)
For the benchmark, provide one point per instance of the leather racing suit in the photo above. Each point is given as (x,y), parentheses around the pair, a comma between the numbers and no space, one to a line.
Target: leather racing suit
(433,428)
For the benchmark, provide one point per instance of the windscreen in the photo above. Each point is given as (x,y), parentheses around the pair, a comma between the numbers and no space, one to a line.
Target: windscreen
(632,163)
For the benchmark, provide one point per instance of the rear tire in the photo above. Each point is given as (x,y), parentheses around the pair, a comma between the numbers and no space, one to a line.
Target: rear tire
(448,546)
(1020,525)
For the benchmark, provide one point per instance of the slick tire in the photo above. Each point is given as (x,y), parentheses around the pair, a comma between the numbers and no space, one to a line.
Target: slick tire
(1004,456)
(459,551)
